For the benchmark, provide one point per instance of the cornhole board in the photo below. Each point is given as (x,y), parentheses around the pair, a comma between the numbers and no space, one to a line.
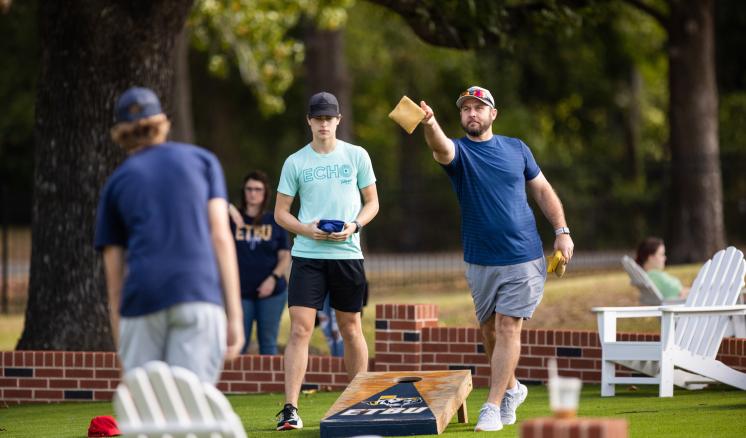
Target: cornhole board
(398,403)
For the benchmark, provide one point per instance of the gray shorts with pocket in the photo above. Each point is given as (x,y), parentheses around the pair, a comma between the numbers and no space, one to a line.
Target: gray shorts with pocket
(190,335)
(512,290)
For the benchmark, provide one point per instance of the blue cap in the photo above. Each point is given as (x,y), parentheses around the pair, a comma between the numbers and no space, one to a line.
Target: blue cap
(137,103)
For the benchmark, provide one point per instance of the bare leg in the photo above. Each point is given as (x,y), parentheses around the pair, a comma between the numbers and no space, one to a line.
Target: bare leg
(506,350)
(296,351)
(356,350)
(488,339)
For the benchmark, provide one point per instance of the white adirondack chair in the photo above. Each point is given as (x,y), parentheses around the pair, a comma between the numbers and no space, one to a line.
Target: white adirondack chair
(649,293)
(651,296)
(690,333)
(161,401)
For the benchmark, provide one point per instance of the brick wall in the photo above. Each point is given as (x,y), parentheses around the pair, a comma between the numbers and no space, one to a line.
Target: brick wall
(407,338)
(39,376)
(43,376)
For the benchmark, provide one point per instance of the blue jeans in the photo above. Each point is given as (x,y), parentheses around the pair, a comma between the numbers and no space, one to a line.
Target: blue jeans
(267,313)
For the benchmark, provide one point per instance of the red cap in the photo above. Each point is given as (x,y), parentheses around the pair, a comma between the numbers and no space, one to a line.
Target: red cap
(105,425)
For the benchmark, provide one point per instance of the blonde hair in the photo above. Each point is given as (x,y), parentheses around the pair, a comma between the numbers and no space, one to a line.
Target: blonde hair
(143,132)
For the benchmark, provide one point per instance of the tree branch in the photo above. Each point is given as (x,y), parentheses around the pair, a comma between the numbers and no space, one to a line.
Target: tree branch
(426,22)
(453,24)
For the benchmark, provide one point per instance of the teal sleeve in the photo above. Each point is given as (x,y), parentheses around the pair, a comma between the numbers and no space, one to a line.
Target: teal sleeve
(668,285)
(288,179)
(365,175)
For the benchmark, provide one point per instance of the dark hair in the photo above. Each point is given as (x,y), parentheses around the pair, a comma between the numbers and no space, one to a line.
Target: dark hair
(646,248)
(256,175)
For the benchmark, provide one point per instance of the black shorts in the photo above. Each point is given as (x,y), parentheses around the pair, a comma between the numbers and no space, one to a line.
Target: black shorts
(311,279)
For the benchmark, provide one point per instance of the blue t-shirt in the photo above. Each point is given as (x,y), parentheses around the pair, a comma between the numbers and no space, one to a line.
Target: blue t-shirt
(328,186)
(256,247)
(155,206)
(497,225)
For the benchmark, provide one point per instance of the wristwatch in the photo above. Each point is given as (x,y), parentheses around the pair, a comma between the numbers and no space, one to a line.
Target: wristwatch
(276,277)
(561,230)
(358,226)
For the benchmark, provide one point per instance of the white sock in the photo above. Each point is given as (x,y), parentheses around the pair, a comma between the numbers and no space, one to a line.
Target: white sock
(514,390)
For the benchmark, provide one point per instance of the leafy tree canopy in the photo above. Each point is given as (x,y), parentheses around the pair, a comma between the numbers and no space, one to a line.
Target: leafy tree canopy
(255,35)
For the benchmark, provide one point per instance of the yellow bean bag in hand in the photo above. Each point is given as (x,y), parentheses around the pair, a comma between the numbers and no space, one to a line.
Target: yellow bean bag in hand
(557,264)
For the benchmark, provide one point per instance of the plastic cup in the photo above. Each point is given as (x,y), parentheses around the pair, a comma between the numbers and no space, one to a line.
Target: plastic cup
(564,396)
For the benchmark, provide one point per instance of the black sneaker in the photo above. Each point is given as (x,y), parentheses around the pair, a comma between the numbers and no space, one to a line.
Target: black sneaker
(288,419)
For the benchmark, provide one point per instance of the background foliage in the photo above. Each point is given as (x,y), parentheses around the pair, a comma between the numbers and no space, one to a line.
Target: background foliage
(590,102)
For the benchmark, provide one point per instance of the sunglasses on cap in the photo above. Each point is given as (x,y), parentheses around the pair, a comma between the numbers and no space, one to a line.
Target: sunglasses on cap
(478,93)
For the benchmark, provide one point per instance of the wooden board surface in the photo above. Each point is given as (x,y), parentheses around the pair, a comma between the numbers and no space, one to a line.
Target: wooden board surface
(444,392)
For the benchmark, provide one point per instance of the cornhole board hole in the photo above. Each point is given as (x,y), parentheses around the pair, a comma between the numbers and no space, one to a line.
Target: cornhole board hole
(398,403)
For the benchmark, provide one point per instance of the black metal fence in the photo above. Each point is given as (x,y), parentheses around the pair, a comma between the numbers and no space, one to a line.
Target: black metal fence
(415,269)
(14,268)
(384,270)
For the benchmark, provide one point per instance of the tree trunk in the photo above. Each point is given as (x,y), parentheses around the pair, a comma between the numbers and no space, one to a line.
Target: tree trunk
(632,126)
(697,229)
(182,122)
(326,70)
(91,51)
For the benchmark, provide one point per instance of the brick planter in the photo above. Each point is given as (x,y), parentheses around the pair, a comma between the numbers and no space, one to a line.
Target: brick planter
(574,428)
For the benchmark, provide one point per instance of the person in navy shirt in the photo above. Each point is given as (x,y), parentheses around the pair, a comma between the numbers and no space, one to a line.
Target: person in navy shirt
(506,269)
(169,258)
(263,253)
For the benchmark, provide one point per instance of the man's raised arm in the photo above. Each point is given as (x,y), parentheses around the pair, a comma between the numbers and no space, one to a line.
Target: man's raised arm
(443,148)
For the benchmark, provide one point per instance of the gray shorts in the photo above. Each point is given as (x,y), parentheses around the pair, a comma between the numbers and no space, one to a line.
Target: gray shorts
(512,290)
(189,335)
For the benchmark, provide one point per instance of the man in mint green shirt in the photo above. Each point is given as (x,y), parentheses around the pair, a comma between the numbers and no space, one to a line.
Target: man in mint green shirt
(329,176)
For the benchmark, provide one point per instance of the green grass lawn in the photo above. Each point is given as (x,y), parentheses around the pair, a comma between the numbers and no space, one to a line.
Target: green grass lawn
(11,327)
(718,412)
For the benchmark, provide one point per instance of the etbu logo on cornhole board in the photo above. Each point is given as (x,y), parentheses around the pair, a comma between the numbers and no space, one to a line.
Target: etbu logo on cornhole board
(396,411)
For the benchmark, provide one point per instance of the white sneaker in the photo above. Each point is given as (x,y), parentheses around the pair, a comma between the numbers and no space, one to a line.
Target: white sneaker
(510,403)
(489,419)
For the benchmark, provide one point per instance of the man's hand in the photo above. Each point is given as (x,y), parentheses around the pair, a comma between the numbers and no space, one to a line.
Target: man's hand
(563,243)
(313,231)
(267,287)
(429,118)
(341,236)
(235,339)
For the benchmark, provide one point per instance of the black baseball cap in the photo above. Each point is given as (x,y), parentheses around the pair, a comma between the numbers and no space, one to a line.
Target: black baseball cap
(323,104)
(137,103)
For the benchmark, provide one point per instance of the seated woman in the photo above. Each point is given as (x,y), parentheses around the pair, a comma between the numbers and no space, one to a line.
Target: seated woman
(651,256)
